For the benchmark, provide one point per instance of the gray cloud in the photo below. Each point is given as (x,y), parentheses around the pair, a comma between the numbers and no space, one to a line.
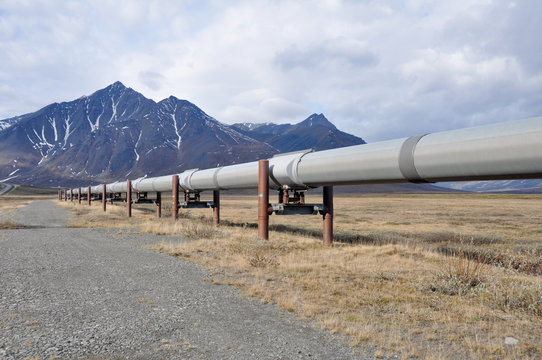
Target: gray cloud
(151,79)
(338,52)
(377,70)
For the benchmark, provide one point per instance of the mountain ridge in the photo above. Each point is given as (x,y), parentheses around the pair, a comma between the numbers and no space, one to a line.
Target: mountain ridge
(117,132)
(291,137)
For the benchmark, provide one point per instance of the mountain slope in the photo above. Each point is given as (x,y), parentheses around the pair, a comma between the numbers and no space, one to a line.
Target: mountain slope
(114,133)
(315,132)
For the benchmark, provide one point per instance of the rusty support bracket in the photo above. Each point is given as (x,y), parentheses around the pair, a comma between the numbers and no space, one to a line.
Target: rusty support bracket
(89,196)
(71,195)
(79,195)
(191,196)
(297,198)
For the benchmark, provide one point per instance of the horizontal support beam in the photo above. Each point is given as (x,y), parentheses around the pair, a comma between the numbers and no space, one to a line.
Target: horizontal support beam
(196,204)
(307,209)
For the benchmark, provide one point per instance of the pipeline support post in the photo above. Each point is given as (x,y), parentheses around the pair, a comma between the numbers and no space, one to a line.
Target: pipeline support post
(285,196)
(88,195)
(328,216)
(65,194)
(59,195)
(158,204)
(129,198)
(175,197)
(104,196)
(71,195)
(263,199)
(79,196)
(216,207)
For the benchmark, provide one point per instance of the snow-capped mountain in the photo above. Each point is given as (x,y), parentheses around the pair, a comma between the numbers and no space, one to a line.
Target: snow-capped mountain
(117,133)
(4,124)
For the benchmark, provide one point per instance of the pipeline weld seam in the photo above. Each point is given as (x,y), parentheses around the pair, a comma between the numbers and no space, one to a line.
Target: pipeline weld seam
(406,160)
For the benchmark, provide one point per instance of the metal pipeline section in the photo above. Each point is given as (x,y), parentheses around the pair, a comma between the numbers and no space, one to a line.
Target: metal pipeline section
(510,150)
(116,187)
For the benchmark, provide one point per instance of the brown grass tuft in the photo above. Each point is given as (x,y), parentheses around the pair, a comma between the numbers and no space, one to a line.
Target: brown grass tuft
(460,274)
(512,295)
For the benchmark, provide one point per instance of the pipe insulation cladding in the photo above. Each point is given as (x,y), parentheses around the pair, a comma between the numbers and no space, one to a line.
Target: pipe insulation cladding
(509,150)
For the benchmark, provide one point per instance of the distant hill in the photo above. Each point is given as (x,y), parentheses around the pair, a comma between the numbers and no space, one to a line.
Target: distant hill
(498,186)
(117,133)
(316,132)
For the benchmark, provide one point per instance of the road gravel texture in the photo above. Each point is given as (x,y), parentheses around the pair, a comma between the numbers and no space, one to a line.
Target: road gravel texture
(95,293)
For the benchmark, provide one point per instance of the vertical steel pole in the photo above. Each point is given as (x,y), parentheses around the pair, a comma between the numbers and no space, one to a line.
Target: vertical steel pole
(104,203)
(175,197)
(79,195)
(71,195)
(216,207)
(328,216)
(129,198)
(59,196)
(158,204)
(263,199)
(88,195)
(65,194)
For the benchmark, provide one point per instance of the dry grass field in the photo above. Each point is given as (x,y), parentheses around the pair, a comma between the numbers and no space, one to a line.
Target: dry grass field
(425,276)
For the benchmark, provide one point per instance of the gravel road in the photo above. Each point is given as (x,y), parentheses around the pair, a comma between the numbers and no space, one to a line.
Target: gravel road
(93,293)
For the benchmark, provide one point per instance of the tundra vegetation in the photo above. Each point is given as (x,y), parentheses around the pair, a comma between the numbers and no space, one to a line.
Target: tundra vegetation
(435,276)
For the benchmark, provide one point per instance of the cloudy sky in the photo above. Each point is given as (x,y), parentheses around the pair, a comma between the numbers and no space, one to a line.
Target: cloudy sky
(377,69)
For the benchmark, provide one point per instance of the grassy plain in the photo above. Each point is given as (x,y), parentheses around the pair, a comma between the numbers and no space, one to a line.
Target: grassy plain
(425,276)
